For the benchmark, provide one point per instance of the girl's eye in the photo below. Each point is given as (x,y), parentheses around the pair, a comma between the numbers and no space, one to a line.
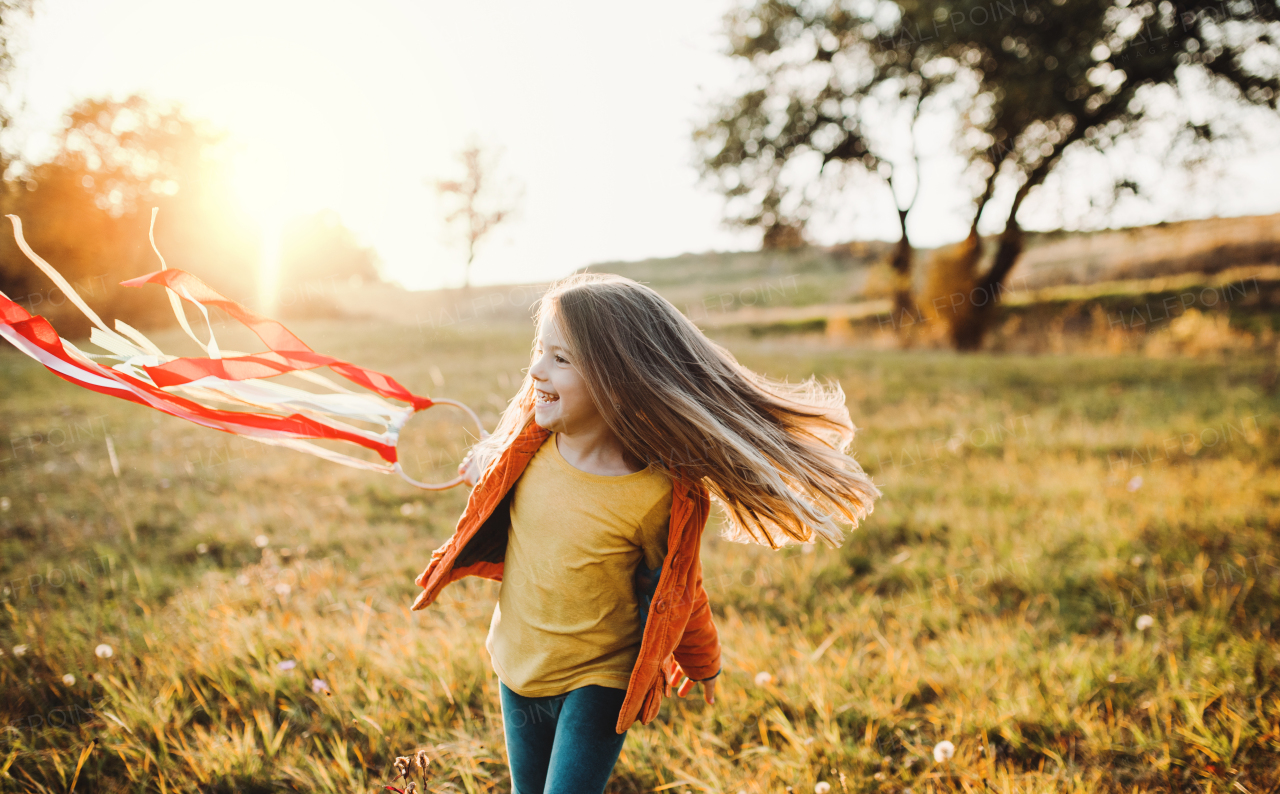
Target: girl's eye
(560,360)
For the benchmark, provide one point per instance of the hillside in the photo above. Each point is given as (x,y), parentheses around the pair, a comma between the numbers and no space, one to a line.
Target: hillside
(713,287)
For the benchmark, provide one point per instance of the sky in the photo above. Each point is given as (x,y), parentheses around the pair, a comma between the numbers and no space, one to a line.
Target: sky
(360,107)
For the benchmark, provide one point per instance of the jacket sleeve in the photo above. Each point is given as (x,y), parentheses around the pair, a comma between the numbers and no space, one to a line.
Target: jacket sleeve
(698,653)
(421,581)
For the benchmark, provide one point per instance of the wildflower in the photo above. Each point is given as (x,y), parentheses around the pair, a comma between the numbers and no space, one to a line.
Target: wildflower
(287,664)
(763,678)
(402,764)
(69,679)
(19,650)
(943,750)
(283,589)
(822,788)
(1134,484)
(319,685)
(103,651)
(1145,622)
(261,541)
(420,761)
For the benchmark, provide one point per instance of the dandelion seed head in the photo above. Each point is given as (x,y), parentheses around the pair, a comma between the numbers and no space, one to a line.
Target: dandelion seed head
(202,548)
(763,678)
(1145,622)
(822,788)
(69,679)
(261,541)
(283,589)
(19,650)
(943,751)
(104,651)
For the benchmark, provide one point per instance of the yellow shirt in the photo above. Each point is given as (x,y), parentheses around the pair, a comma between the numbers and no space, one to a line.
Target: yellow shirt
(567,613)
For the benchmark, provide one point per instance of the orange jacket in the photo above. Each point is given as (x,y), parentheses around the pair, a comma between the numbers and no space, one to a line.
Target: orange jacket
(679,636)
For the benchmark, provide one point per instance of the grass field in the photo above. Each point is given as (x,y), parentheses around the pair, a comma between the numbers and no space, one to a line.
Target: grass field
(1072,578)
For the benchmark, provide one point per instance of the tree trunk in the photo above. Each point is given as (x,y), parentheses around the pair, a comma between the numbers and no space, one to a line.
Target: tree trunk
(968,335)
(971,326)
(905,315)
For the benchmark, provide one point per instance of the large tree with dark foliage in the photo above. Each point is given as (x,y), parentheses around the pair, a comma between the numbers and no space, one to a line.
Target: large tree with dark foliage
(1034,81)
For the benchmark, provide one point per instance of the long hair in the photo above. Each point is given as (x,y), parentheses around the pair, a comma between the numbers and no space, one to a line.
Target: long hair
(771,453)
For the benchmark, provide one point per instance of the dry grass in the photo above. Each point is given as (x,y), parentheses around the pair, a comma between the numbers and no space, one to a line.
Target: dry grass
(1035,509)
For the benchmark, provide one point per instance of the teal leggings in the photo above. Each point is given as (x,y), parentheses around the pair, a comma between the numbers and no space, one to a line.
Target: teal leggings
(564,744)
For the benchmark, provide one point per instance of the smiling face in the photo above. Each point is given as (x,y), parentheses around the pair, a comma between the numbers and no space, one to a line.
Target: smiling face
(562,402)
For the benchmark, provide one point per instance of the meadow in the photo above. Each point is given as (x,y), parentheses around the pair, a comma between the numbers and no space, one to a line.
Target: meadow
(1072,578)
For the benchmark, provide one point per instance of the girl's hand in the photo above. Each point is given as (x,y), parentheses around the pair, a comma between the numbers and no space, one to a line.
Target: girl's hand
(469,470)
(686,685)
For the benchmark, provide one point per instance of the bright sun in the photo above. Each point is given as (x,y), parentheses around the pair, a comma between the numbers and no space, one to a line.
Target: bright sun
(271,196)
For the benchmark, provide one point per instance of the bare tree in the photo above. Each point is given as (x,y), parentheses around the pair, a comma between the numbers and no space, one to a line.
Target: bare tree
(481,201)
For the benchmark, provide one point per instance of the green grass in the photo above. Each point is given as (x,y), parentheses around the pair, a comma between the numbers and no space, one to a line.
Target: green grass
(991,600)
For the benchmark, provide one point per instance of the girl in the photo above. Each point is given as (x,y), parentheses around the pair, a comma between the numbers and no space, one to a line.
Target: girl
(589,504)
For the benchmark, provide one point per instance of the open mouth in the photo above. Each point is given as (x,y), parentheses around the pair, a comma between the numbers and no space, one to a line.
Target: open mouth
(545,397)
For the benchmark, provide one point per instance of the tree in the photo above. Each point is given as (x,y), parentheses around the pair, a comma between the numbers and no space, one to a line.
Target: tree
(8,10)
(1032,82)
(830,96)
(481,202)
(320,259)
(320,246)
(1073,73)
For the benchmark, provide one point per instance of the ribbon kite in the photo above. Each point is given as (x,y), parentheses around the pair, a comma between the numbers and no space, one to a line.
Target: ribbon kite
(184,387)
